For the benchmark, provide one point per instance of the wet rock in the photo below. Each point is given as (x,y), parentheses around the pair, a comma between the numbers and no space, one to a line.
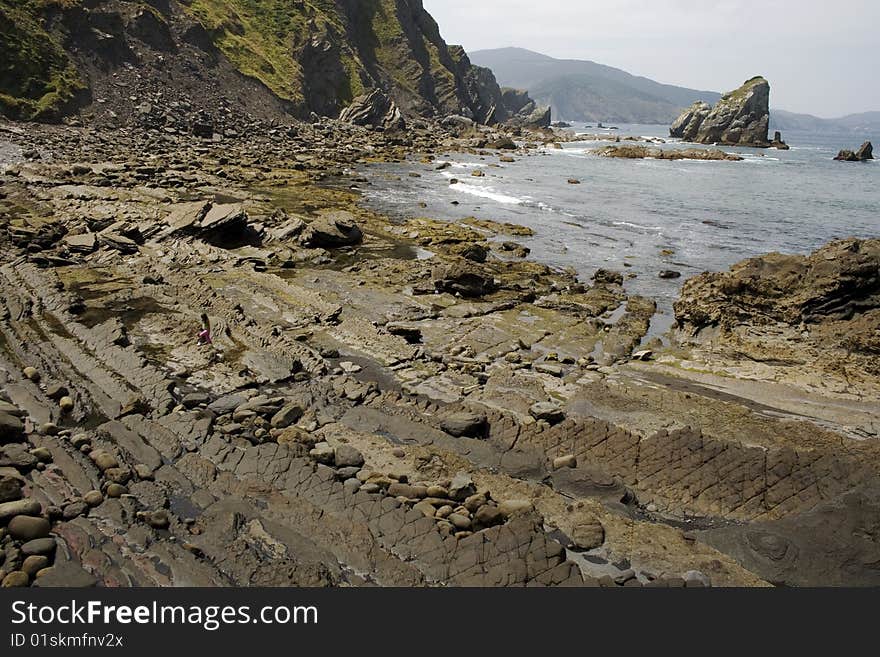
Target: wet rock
(607,277)
(17,456)
(15,579)
(39,546)
(65,575)
(10,488)
(838,281)
(332,230)
(25,507)
(34,564)
(502,143)
(464,278)
(27,528)
(669,274)
(74,510)
(470,425)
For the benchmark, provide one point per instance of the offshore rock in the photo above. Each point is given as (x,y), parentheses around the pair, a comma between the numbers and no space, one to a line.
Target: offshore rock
(741,118)
(865,153)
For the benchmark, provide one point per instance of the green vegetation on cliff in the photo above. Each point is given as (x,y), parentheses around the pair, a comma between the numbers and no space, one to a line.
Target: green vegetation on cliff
(320,54)
(316,55)
(37,78)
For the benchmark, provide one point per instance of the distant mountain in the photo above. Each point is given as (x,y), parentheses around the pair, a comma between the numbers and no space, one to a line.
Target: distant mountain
(587,91)
(867,123)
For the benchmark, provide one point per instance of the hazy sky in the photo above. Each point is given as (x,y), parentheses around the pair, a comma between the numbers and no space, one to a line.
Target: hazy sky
(820,57)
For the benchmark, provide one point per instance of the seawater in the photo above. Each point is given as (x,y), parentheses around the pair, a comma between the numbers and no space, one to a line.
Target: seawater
(644,216)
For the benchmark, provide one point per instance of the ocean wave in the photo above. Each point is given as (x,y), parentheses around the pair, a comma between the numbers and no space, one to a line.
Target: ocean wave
(468,165)
(486,192)
(640,227)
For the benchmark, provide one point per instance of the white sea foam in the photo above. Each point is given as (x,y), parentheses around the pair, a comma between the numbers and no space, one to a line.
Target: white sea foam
(469,165)
(486,192)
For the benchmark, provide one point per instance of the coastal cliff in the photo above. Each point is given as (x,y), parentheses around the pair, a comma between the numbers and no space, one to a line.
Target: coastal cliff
(268,57)
(741,118)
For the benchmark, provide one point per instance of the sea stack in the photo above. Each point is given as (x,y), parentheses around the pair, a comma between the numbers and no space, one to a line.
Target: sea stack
(741,118)
(865,153)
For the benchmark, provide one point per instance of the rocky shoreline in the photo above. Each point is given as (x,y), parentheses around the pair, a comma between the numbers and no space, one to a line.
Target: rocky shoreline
(368,415)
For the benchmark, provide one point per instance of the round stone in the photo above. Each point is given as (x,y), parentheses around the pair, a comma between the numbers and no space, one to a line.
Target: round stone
(459,521)
(116,490)
(104,460)
(32,374)
(93,498)
(39,546)
(49,429)
(34,564)
(27,528)
(66,404)
(16,579)
(43,455)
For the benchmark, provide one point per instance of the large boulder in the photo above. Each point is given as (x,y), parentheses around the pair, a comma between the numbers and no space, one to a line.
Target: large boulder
(374,110)
(332,230)
(839,281)
(464,278)
(741,118)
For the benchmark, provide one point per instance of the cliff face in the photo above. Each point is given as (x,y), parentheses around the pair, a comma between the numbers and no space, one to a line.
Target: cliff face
(298,56)
(741,118)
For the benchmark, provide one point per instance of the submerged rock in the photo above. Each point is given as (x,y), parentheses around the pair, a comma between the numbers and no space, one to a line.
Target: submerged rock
(645,152)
